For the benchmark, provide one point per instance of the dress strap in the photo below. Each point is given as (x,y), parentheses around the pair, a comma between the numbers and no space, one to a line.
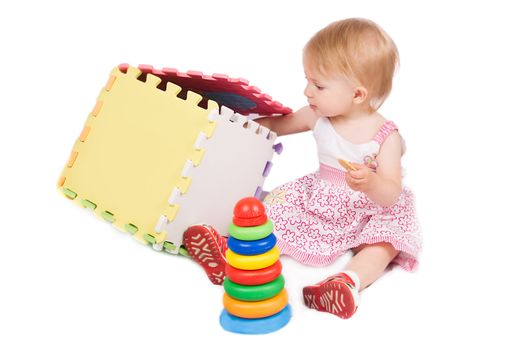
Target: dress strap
(384,131)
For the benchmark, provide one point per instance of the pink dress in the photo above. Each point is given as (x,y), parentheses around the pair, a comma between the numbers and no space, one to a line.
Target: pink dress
(318,217)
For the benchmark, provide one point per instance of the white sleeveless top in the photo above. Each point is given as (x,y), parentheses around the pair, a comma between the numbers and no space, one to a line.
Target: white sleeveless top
(332,146)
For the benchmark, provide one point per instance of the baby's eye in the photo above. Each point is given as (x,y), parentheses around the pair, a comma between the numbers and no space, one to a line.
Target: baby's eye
(319,87)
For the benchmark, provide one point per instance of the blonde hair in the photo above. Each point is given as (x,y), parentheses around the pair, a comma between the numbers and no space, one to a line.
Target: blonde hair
(359,49)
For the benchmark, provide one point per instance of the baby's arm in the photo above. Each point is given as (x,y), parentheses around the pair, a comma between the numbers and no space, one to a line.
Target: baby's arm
(302,120)
(388,184)
(384,186)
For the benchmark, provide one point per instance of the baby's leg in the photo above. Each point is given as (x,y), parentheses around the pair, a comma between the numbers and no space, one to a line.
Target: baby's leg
(338,294)
(370,261)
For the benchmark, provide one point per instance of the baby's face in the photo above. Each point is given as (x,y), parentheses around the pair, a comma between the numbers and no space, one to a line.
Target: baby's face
(328,96)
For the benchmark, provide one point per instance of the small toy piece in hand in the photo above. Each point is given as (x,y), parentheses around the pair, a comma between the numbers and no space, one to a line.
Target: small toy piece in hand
(346,165)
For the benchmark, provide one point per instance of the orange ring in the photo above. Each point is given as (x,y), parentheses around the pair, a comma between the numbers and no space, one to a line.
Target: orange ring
(256,309)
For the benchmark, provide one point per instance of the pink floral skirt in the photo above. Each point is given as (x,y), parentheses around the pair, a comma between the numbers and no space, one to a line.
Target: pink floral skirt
(318,217)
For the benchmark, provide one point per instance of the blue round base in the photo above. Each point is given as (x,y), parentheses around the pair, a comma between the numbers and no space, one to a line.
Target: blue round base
(263,325)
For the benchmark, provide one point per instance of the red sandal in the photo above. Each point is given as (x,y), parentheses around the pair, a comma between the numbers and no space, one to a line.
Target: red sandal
(337,295)
(207,248)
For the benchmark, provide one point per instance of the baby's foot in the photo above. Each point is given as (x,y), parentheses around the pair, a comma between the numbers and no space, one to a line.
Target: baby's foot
(337,295)
(207,248)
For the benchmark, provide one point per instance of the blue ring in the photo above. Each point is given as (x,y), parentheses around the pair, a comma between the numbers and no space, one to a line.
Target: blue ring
(263,325)
(259,246)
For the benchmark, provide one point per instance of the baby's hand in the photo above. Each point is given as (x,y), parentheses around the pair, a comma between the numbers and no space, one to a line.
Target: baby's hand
(361,178)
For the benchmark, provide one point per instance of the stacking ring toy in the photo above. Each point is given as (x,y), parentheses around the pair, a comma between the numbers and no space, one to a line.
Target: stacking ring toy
(263,325)
(253,277)
(252,247)
(254,293)
(256,309)
(252,262)
(252,233)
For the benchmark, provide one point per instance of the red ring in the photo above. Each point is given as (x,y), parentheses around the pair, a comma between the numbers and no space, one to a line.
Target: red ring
(254,277)
(249,222)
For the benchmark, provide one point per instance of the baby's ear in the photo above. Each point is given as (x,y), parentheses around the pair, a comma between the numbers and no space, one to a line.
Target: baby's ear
(360,95)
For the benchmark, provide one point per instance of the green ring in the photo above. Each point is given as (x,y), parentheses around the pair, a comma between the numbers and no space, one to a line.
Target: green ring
(254,293)
(251,233)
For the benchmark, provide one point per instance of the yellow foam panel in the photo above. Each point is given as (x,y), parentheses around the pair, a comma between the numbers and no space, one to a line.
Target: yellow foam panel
(133,147)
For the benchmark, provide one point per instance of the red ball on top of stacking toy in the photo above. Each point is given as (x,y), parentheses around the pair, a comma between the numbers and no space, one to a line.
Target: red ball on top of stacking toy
(249,211)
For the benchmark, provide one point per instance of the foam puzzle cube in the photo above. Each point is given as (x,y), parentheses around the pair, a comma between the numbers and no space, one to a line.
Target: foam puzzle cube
(157,154)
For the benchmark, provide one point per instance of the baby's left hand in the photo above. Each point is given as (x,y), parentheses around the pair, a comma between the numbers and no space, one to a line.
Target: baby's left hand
(360,179)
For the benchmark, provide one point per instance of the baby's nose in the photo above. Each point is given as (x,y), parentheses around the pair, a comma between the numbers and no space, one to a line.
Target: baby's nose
(307,92)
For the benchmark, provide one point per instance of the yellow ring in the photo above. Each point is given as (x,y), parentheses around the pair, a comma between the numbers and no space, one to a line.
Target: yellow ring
(252,262)
(256,309)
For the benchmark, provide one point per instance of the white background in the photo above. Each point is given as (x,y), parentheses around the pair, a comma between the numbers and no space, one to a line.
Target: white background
(71,281)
